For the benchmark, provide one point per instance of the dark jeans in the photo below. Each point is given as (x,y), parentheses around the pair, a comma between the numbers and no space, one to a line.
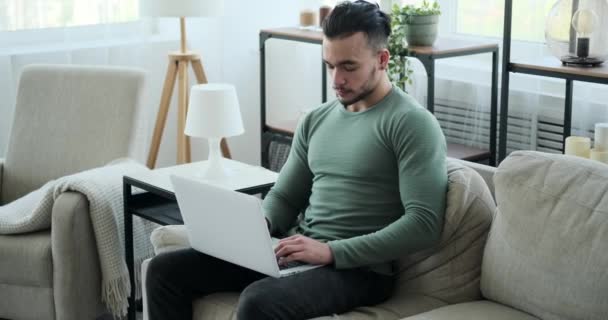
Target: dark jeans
(174,279)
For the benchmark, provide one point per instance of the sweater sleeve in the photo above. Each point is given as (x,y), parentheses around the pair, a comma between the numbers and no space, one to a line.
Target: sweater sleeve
(290,194)
(420,149)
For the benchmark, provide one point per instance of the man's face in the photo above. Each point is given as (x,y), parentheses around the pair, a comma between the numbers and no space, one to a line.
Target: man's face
(353,65)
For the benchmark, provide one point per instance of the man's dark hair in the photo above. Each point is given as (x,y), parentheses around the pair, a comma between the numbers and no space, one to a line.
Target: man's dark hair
(348,18)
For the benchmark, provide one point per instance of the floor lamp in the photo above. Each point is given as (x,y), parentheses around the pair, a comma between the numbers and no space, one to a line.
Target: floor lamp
(179,63)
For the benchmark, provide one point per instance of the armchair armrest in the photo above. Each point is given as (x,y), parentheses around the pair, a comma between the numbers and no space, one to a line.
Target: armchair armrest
(76,272)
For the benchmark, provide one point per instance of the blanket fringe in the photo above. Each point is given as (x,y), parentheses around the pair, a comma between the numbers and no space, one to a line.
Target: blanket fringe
(115,293)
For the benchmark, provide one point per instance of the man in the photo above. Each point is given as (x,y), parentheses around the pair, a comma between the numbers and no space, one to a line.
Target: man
(368,171)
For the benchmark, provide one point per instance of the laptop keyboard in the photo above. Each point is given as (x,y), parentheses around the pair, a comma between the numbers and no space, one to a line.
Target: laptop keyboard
(290,264)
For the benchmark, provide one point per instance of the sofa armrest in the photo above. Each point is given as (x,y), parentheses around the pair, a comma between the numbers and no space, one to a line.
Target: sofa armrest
(76,271)
(486,172)
(169,238)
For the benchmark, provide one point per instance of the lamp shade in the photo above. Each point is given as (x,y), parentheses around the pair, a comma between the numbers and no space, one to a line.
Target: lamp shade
(181,8)
(576,31)
(213,112)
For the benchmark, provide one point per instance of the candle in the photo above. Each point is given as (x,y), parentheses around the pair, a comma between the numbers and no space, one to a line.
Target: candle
(578,146)
(601,136)
(307,18)
(601,156)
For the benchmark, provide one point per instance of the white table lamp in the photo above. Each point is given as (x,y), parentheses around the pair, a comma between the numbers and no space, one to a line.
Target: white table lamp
(179,62)
(214,113)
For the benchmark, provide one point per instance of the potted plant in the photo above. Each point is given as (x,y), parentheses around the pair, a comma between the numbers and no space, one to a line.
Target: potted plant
(416,24)
(420,22)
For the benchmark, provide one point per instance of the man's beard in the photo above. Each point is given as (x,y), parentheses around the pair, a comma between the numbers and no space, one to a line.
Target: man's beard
(366,90)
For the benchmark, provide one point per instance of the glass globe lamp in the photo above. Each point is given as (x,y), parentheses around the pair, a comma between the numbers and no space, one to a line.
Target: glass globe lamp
(576,32)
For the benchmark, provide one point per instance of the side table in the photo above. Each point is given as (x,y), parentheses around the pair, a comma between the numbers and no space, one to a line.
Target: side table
(151,196)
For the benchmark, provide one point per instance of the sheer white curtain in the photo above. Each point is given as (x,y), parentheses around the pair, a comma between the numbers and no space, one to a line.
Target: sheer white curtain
(37,14)
(142,44)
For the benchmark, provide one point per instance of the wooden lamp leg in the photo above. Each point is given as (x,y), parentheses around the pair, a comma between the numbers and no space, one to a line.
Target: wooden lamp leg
(182,111)
(161,117)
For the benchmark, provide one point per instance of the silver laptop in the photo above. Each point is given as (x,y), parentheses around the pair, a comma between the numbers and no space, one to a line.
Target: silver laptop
(229,225)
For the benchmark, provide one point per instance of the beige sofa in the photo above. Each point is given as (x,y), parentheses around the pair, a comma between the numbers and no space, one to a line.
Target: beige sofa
(547,253)
(545,256)
(446,274)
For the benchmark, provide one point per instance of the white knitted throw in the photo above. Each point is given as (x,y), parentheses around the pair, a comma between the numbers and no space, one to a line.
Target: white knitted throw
(103,189)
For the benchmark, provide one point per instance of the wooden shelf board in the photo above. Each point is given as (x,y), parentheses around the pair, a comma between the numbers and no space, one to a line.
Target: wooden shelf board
(299,34)
(441,47)
(445,46)
(552,64)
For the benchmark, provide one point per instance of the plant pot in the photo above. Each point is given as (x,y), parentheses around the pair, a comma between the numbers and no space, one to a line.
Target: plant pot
(421,30)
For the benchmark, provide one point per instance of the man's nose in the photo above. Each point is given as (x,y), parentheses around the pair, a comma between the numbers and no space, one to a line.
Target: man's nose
(338,78)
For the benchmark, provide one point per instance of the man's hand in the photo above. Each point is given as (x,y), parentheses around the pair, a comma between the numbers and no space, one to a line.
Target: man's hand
(303,249)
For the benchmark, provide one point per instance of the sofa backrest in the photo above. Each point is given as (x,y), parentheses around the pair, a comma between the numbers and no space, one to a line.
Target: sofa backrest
(547,249)
(450,271)
(68,119)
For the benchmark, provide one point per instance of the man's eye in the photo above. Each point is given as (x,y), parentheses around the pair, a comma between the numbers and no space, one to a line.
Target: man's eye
(350,68)
(330,67)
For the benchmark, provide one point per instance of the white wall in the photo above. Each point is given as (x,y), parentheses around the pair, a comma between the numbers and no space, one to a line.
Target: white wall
(293,70)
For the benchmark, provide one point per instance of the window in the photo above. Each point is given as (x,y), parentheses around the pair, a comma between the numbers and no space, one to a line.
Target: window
(485,18)
(35,14)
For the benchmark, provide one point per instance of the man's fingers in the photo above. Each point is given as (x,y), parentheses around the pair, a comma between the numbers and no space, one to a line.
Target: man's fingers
(298,256)
(287,242)
(288,249)
(294,237)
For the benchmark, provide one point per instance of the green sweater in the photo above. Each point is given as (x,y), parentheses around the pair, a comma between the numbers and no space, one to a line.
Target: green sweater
(372,184)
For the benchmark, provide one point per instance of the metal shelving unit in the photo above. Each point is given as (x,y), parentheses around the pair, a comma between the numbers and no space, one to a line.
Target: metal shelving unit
(544,67)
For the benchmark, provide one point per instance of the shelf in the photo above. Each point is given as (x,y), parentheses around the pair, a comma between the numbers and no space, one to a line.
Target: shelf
(544,66)
(455,150)
(156,209)
(444,48)
(552,67)
(295,34)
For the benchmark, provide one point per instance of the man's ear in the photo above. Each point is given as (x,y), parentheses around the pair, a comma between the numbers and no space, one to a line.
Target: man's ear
(384,56)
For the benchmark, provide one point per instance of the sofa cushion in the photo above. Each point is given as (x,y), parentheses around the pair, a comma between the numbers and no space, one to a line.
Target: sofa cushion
(451,270)
(478,310)
(26,260)
(222,306)
(546,254)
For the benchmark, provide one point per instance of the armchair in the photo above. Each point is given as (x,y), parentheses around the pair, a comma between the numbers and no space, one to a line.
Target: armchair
(67,119)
